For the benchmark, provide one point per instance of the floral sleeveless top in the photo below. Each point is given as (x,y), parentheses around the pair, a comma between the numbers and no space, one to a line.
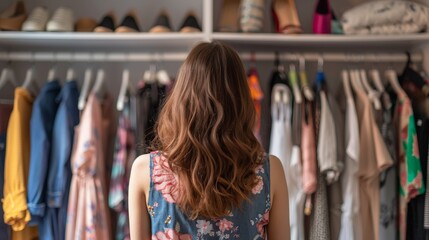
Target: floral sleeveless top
(169,222)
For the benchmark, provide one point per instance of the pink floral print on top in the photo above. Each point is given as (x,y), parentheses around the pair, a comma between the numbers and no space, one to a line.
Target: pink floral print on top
(170,234)
(164,179)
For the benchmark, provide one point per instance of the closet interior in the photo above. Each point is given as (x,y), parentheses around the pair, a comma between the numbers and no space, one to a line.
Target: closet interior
(125,64)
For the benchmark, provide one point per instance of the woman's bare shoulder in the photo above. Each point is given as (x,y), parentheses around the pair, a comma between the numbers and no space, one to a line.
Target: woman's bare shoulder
(140,172)
(142,162)
(275,162)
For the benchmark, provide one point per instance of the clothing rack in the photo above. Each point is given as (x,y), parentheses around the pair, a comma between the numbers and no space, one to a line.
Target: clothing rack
(180,56)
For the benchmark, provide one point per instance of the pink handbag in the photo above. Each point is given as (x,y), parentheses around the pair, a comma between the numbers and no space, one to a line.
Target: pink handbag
(322,18)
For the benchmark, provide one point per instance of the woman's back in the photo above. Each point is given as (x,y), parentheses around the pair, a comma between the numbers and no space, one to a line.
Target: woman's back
(210,178)
(169,222)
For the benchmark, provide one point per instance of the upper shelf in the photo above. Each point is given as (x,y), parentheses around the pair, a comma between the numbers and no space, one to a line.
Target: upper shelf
(98,41)
(26,41)
(321,42)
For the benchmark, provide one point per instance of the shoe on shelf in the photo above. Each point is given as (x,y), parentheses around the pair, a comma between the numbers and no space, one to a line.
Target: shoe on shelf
(107,24)
(252,15)
(37,20)
(85,24)
(61,21)
(12,18)
(190,24)
(285,17)
(229,18)
(162,24)
(129,24)
(11,9)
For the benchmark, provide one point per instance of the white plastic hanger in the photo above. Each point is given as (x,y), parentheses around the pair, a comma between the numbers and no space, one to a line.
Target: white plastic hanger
(52,74)
(375,76)
(30,83)
(346,84)
(372,94)
(124,89)
(70,76)
(293,79)
(376,79)
(99,85)
(355,82)
(393,81)
(85,89)
(7,76)
(280,94)
(149,76)
(163,77)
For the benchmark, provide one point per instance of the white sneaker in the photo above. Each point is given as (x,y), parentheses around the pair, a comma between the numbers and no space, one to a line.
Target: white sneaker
(37,20)
(61,21)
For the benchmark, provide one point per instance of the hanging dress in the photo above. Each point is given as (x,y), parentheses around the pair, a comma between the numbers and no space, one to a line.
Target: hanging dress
(281,146)
(88,216)
(124,156)
(350,188)
(411,177)
(374,158)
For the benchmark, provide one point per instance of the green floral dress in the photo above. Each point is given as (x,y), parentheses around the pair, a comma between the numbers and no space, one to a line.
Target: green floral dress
(411,178)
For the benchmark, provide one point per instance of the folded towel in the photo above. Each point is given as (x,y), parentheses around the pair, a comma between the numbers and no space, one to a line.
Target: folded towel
(386,17)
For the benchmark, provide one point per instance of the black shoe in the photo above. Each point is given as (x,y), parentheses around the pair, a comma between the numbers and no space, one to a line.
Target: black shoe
(129,24)
(190,24)
(162,24)
(107,24)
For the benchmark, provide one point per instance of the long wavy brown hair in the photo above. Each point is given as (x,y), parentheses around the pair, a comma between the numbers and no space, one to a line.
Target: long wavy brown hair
(205,131)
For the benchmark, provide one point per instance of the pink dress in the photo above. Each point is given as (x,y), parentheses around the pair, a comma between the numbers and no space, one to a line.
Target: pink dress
(88,216)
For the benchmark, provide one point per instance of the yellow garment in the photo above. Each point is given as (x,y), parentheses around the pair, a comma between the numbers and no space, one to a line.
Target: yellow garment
(17,163)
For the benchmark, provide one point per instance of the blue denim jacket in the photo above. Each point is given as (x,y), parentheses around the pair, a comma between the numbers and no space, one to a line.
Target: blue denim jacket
(41,124)
(59,176)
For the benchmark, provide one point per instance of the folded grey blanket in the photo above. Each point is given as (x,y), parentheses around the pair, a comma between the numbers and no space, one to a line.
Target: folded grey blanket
(386,17)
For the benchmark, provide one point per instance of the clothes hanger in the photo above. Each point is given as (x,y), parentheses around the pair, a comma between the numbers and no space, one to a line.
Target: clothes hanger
(99,86)
(393,81)
(306,89)
(376,80)
(162,76)
(356,82)
(293,79)
(320,77)
(279,94)
(70,76)
(410,74)
(281,70)
(124,90)
(8,77)
(346,84)
(372,94)
(85,89)
(30,83)
(52,74)
(149,76)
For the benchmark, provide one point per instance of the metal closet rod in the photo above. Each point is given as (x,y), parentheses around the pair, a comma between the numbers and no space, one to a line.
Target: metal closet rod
(180,56)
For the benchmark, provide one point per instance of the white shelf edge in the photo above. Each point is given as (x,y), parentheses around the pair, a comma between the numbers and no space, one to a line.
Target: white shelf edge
(322,40)
(184,40)
(99,36)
